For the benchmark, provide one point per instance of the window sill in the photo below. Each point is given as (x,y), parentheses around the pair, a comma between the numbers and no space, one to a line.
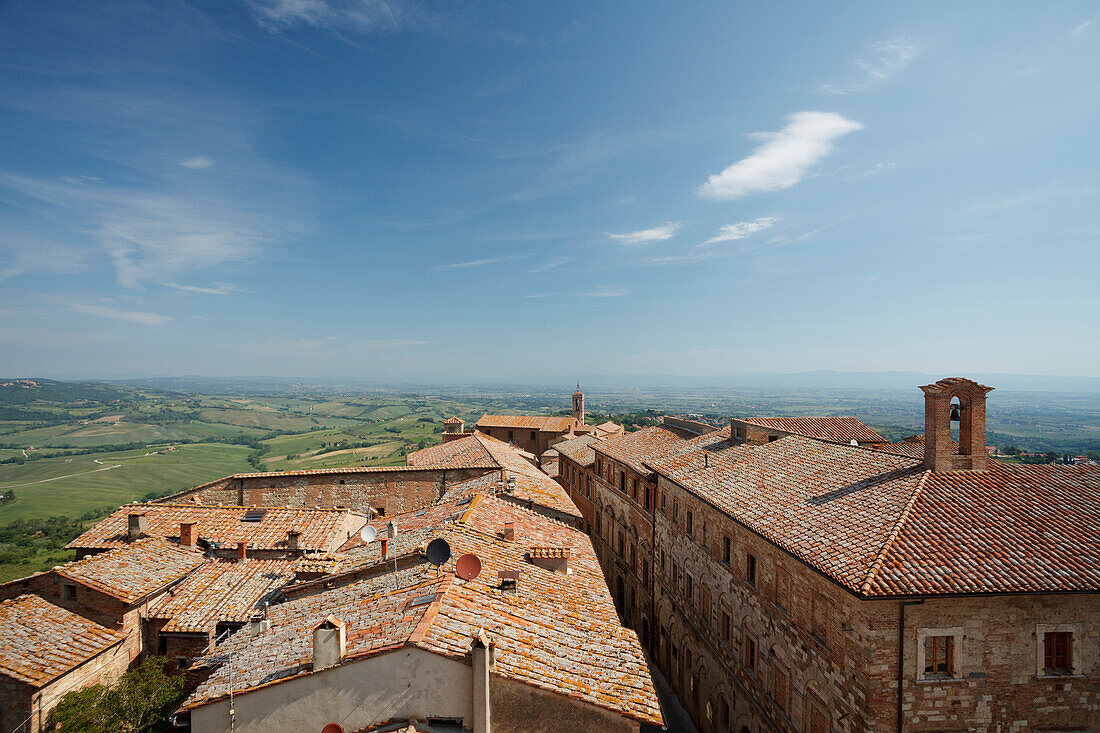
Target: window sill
(1060,676)
(939,680)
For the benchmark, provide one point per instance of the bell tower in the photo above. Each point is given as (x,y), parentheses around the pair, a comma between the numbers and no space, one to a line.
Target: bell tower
(955,399)
(578,406)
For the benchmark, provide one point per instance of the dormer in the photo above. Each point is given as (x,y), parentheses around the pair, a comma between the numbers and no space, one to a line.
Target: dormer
(955,399)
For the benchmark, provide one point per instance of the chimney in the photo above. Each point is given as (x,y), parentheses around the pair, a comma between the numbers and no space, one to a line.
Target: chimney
(510,531)
(509,579)
(482,654)
(554,559)
(257,624)
(329,643)
(293,540)
(242,552)
(189,534)
(136,525)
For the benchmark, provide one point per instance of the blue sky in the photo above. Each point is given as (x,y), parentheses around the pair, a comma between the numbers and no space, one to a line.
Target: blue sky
(531,191)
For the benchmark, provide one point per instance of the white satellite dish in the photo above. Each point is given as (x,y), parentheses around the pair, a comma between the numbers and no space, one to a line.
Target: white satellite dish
(368,533)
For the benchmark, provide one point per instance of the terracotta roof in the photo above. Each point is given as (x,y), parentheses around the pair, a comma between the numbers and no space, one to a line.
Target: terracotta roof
(545,423)
(637,448)
(831,505)
(910,447)
(133,571)
(882,525)
(579,450)
(43,641)
(221,590)
(837,429)
(320,471)
(1013,528)
(462,453)
(452,420)
(320,528)
(558,632)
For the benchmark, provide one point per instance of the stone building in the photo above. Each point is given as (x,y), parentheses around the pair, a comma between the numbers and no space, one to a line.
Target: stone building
(802,583)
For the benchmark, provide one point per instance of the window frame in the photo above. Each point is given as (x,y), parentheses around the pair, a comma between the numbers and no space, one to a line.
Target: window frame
(1073,655)
(924,636)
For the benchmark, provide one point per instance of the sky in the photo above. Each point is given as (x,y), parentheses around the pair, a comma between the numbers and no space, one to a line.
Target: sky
(534,191)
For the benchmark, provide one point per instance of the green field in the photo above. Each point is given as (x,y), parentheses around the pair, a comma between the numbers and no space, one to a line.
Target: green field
(78,484)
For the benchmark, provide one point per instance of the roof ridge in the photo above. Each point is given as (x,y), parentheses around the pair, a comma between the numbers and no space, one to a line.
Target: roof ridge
(876,566)
(446,583)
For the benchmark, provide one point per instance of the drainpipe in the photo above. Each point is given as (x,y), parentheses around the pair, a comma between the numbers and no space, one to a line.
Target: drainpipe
(901,653)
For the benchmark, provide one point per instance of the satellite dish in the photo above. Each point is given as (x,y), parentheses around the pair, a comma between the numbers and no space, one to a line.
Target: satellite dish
(468,566)
(853,442)
(438,551)
(368,533)
(332,728)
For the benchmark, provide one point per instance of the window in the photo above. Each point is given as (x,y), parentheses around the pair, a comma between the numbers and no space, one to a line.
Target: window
(162,645)
(534,435)
(662,561)
(727,547)
(510,436)
(689,588)
(748,654)
(645,573)
(621,553)
(738,432)
(68,591)
(663,504)
(724,714)
(690,522)
(779,686)
(725,627)
(939,656)
(634,558)
(1057,652)
(647,498)
(675,510)
(773,438)
(634,490)
(750,569)
(599,466)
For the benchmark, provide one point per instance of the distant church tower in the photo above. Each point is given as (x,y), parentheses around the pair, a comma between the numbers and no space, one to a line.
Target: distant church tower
(960,400)
(578,405)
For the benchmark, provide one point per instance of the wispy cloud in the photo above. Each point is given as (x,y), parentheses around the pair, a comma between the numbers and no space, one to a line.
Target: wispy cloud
(603,291)
(783,158)
(479,263)
(197,163)
(655,234)
(218,289)
(753,249)
(353,16)
(1081,28)
(883,60)
(282,345)
(741,230)
(117,314)
(550,263)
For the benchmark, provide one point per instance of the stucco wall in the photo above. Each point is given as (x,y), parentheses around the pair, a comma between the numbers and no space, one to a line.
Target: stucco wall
(521,708)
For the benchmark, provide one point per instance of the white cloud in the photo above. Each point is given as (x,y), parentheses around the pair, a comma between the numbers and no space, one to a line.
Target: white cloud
(883,60)
(197,163)
(106,311)
(358,16)
(218,289)
(741,230)
(478,263)
(656,234)
(783,159)
(1083,26)
(550,263)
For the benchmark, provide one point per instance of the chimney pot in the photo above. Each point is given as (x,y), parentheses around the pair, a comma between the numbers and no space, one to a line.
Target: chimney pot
(242,552)
(136,525)
(188,534)
(293,540)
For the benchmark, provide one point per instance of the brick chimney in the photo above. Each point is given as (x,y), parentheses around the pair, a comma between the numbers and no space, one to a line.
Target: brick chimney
(242,552)
(510,531)
(189,534)
(293,540)
(136,525)
(329,643)
(941,399)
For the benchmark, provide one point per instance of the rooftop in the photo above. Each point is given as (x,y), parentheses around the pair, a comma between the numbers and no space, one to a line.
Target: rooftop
(133,571)
(881,524)
(320,528)
(638,448)
(559,632)
(546,423)
(579,450)
(837,429)
(43,641)
(221,590)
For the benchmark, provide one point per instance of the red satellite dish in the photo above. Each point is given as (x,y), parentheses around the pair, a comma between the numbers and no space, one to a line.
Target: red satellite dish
(332,728)
(468,566)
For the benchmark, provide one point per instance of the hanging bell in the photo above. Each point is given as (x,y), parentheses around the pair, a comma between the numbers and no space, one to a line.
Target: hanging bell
(956,412)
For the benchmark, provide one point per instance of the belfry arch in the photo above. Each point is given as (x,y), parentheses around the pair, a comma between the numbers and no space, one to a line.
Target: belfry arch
(970,414)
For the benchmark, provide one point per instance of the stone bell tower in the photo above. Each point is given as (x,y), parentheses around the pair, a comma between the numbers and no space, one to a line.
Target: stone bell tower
(955,399)
(578,406)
